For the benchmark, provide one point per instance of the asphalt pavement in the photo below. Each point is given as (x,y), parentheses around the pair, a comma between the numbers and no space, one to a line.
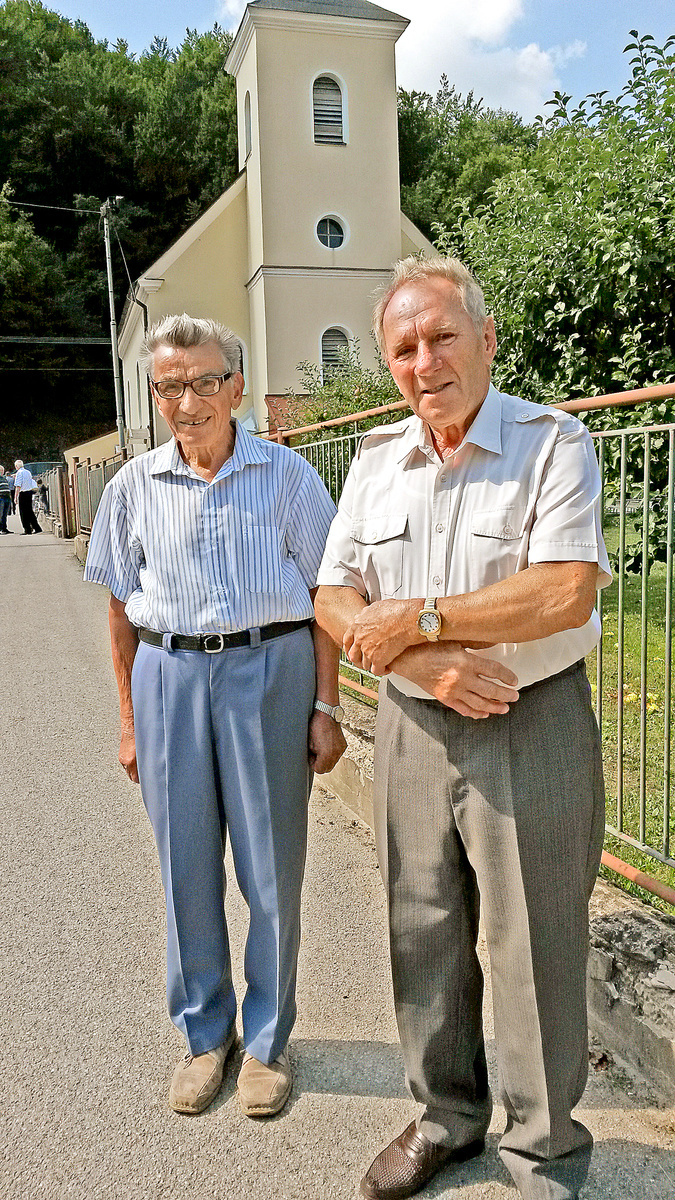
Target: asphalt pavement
(87,1048)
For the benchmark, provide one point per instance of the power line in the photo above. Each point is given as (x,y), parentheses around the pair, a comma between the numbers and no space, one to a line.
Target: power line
(51,370)
(58,341)
(52,207)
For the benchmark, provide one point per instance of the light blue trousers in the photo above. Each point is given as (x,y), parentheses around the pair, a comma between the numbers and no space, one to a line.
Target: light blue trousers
(221,741)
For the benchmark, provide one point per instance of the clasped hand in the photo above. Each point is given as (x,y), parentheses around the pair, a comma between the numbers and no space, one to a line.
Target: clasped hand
(379,633)
(382,637)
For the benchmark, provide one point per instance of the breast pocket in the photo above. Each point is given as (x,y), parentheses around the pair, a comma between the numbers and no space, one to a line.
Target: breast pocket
(262,559)
(379,541)
(498,543)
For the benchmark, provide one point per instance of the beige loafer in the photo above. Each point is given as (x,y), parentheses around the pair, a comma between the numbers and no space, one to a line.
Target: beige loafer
(197,1078)
(264,1088)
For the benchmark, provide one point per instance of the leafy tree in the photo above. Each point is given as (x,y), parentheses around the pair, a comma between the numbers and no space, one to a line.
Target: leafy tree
(452,150)
(39,407)
(82,120)
(576,252)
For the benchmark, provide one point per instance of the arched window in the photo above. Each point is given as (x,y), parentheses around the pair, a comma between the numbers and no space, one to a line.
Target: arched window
(327,97)
(247,124)
(334,344)
(330,233)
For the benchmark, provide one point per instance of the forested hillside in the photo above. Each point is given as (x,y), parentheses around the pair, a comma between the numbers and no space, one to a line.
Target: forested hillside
(79,121)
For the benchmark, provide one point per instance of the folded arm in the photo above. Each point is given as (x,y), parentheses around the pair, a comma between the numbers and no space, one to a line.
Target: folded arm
(543,599)
(472,686)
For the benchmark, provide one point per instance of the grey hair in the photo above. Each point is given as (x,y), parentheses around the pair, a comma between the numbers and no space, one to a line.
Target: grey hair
(18,463)
(184,331)
(413,270)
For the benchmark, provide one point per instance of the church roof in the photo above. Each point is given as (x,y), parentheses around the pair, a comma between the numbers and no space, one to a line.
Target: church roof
(358,9)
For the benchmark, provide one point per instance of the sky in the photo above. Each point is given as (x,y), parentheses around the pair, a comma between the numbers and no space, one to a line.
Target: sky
(512,53)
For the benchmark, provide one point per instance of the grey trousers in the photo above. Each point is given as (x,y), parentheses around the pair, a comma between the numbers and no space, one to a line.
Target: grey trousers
(505,813)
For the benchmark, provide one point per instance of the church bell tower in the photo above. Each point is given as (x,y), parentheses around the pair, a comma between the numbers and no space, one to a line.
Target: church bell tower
(318,141)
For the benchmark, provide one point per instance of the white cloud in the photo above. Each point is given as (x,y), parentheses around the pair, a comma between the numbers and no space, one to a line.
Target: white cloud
(230,13)
(563,54)
(475,44)
(467,43)
(488,21)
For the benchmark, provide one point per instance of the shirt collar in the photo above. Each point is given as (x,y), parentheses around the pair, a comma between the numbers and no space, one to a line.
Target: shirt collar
(248,450)
(485,430)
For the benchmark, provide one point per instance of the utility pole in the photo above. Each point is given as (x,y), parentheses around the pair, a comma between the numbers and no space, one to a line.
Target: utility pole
(108,207)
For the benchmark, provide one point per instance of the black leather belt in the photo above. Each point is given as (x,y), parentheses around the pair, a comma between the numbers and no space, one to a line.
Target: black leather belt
(213,643)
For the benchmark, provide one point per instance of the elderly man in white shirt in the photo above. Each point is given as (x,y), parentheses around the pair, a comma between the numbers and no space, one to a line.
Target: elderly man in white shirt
(228,696)
(24,488)
(462,566)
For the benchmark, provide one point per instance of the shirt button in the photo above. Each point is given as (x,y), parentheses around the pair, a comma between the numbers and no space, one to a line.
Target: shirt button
(439,528)
(437,580)
(443,478)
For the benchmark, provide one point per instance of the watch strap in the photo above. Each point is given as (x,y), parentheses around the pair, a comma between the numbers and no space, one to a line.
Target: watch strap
(335,711)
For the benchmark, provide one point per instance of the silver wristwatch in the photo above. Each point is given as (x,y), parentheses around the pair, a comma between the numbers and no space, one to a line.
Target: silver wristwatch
(336,711)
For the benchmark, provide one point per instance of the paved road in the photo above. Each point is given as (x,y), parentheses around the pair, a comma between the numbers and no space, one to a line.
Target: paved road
(87,1049)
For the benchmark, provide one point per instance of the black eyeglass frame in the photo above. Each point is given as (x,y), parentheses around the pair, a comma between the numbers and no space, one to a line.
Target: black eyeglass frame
(189,383)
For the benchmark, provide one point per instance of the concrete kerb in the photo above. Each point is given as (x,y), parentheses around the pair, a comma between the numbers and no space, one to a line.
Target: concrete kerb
(80,544)
(631,967)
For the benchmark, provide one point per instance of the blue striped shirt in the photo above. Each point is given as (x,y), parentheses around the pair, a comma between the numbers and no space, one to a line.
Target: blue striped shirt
(189,556)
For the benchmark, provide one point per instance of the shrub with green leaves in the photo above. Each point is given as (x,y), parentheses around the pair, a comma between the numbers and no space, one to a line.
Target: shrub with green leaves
(350,387)
(576,252)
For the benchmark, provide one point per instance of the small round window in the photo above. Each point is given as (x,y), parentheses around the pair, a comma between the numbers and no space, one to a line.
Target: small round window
(330,233)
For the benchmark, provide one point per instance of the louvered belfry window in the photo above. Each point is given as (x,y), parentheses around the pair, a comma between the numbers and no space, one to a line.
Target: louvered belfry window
(333,344)
(327,110)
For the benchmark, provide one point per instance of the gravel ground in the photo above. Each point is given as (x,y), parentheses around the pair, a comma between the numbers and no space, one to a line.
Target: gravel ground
(88,1050)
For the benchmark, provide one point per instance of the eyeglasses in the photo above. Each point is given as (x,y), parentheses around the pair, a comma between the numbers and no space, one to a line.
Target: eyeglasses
(205,385)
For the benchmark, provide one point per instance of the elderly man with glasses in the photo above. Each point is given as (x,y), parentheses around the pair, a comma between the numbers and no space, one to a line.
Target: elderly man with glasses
(228,690)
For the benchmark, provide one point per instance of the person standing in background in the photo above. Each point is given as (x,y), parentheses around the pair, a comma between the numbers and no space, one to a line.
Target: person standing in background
(5,501)
(24,486)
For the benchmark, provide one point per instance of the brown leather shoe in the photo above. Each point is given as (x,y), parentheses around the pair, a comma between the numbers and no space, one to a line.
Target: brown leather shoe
(410,1161)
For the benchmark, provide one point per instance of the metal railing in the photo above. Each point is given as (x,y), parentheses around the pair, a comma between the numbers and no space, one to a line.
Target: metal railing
(636,651)
(633,664)
(59,499)
(89,484)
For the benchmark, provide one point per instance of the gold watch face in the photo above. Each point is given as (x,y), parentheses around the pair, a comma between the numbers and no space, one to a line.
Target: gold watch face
(429,622)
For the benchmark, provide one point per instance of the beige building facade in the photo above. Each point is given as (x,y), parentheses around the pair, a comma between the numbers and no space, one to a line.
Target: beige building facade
(290,255)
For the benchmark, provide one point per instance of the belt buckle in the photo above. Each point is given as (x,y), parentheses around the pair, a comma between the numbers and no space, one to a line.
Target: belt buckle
(214,649)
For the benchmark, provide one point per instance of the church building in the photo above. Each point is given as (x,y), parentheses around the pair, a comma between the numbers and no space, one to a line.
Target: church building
(291,253)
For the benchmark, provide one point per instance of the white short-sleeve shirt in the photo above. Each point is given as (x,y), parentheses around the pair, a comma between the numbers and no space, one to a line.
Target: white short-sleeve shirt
(522,487)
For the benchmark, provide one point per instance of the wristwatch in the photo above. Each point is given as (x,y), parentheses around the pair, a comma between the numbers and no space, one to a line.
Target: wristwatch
(336,711)
(429,620)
